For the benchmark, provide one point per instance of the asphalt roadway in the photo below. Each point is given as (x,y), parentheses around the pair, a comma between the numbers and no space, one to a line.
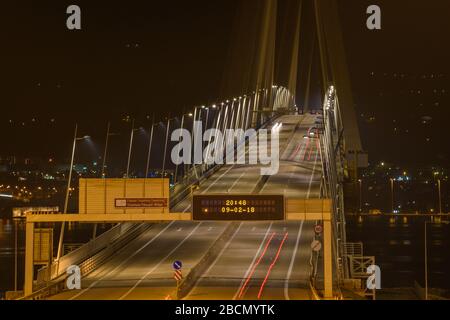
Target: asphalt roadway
(262,260)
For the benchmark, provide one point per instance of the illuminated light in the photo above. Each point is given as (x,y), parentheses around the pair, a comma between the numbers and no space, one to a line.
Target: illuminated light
(277,126)
(2,195)
(241,293)
(272,265)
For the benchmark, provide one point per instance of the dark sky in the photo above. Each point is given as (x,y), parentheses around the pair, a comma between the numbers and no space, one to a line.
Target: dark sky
(143,57)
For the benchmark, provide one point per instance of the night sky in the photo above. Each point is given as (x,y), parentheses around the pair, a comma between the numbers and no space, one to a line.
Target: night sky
(142,57)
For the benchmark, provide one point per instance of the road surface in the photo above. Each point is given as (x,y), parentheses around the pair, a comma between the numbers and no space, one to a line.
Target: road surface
(262,259)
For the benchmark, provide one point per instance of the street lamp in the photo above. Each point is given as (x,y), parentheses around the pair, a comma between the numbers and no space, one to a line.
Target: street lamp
(440,196)
(360,195)
(66,202)
(133,130)
(179,139)
(105,153)
(106,149)
(150,144)
(129,150)
(392,194)
(165,147)
(103,176)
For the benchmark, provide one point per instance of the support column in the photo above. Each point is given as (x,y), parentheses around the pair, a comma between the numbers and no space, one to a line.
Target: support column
(29,255)
(328,260)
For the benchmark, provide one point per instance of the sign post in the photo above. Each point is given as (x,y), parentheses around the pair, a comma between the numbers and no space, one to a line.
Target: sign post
(178,274)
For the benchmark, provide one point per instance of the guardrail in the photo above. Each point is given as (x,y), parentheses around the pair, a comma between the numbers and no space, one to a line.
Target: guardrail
(58,284)
(78,256)
(353,249)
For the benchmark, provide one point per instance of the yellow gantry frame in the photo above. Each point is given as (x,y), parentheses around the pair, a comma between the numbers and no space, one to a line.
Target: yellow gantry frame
(162,217)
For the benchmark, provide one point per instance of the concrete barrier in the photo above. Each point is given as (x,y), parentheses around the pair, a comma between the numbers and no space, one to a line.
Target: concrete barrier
(198,270)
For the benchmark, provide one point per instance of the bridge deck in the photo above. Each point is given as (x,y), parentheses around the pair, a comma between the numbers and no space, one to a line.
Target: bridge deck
(142,270)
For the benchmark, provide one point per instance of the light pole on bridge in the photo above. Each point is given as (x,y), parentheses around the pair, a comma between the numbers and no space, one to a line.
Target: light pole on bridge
(66,201)
(150,145)
(392,194)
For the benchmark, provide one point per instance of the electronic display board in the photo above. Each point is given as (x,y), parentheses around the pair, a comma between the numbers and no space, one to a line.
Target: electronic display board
(238,207)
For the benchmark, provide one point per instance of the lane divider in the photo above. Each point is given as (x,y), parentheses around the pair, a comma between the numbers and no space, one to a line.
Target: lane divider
(126,294)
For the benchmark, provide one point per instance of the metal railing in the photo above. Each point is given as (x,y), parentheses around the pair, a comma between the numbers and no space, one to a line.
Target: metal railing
(349,257)
(58,284)
(358,270)
(332,148)
(353,249)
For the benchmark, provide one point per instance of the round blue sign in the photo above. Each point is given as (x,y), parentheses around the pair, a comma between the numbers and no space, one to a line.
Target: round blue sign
(177,265)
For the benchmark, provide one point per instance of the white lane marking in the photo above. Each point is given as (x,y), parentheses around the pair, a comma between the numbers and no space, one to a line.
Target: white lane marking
(312,177)
(220,177)
(123,262)
(223,250)
(179,229)
(163,259)
(291,266)
(253,261)
(253,229)
(293,170)
(187,208)
(235,183)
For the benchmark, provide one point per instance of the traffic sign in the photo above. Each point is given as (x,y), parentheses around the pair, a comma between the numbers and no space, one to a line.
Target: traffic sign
(178,275)
(318,229)
(316,246)
(177,265)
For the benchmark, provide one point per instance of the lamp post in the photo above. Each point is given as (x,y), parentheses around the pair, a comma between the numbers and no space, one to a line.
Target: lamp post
(103,176)
(181,135)
(165,148)
(440,196)
(392,195)
(360,195)
(129,150)
(150,144)
(66,202)
(106,149)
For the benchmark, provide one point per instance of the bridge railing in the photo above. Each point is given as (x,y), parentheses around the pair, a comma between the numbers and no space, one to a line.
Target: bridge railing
(76,257)
(332,146)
